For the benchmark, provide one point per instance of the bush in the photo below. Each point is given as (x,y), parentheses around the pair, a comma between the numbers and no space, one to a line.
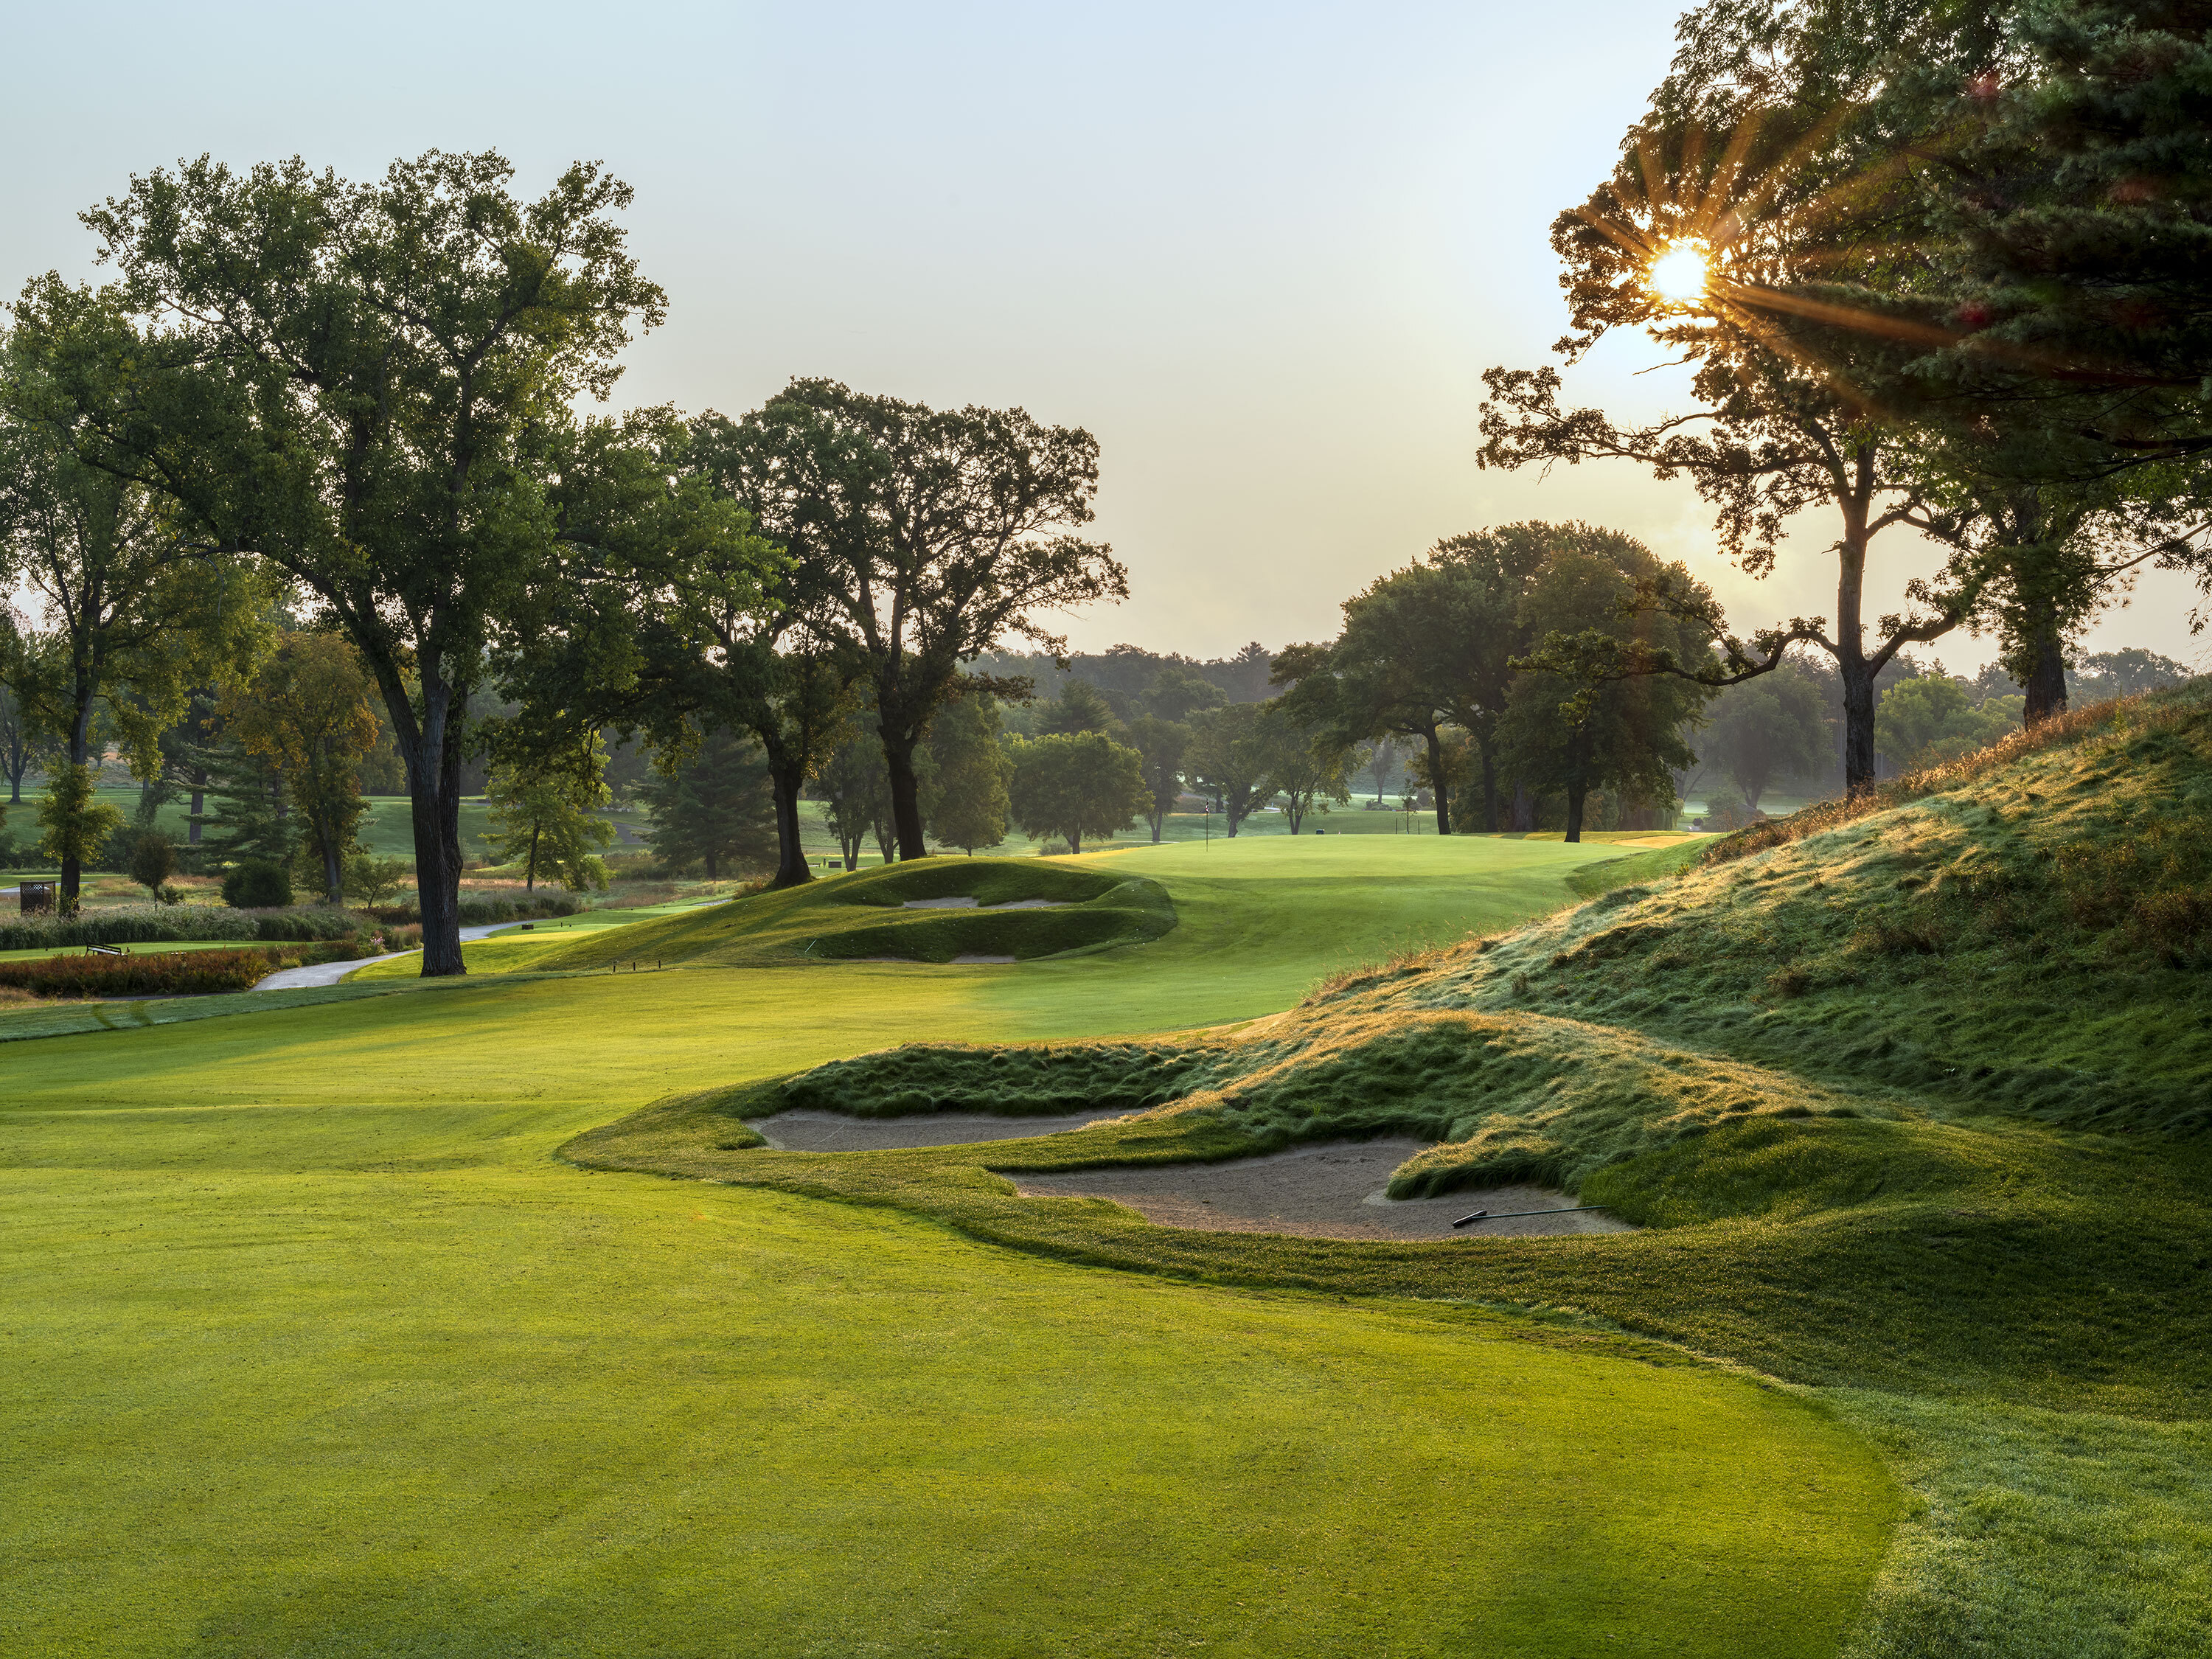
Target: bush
(153,861)
(319,922)
(126,924)
(175,973)
(257,885)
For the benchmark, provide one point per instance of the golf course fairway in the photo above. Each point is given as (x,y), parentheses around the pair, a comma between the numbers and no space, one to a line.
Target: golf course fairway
(311,1348)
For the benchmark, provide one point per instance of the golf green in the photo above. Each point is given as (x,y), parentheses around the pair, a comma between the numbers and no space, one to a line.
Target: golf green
(311,1348)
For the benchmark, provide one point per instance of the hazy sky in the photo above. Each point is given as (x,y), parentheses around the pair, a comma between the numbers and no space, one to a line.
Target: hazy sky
(1264,252)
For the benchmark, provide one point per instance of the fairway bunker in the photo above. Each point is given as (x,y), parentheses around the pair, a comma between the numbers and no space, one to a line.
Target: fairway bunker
(1335,1190)
(803,1131)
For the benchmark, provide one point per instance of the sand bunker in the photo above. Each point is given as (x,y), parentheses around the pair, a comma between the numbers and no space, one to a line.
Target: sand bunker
(1335,1190)
(805,1131)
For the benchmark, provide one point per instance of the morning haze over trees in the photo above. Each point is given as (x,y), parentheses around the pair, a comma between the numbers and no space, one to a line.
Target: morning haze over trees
(318,437)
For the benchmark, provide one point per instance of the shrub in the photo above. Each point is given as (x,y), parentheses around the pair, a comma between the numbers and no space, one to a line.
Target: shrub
(257,885)
(153,861)
(126,924)
(313,922)
(175,973)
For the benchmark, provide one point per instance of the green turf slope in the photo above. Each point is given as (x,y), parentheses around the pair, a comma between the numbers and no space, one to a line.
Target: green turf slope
(1908,1100)
(894,913)
(312,1349)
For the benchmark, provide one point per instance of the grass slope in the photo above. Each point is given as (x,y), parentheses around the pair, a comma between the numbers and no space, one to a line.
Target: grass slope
(1906,1099)
(314,1350)
(864,915)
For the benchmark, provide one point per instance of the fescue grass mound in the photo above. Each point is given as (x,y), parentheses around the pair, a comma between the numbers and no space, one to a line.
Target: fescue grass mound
(867,914)
(2027,932)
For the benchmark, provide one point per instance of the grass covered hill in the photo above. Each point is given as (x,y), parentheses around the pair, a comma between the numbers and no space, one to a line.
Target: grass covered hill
(1856,1164)
(929,910)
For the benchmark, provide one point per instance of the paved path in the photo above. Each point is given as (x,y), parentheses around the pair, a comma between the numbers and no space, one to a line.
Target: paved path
(330,973)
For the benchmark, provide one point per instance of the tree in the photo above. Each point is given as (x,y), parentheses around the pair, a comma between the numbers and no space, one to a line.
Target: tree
(1229,758)
(1077,783)
(1164,745)
(1078,708)
(249,818)
(1380,761)
(2106,674)
(1570,724)
(1310,765)
(373,880)
(358,382)
(306,714)
(942,522)
(856,797)
(18,744)
(1934,719)
(1768,728)
(127,617)
(153,862)
(1730,171)
(965,800)
(1177,692)
(730,629)
(546,816)
(715,807)
(74,822)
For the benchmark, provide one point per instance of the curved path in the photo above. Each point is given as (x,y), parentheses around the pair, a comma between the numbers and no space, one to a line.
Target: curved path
(330,973)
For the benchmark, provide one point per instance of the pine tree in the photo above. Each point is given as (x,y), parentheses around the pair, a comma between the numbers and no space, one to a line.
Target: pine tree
(715,809)
(248,817)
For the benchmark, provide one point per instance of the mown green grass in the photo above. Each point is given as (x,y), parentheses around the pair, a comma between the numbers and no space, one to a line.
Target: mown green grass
(313,1348)
(1094,907)
(1911,1107)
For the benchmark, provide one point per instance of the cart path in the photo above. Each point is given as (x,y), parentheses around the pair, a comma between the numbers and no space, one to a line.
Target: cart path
(330,973)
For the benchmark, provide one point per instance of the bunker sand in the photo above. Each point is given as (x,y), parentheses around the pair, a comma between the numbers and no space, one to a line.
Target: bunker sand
(1334,1190)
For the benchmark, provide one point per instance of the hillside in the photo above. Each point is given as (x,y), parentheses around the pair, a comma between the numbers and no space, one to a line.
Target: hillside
(1824,1069)
(940,909)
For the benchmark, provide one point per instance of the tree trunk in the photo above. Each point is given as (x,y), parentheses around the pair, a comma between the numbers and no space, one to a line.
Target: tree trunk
(1489,751)
(1858,720)
(1436,781)
(713,865)
(1524,815)
(80,745)
(1074,843)
(785,781)
(2046,678)
(333,875)
(530,864)
(1576,794)
(432,751)
(905,796)
(199,806)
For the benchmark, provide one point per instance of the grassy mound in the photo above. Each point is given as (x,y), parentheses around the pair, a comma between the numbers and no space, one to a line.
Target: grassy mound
(2034,936)
(865,914)
(1878,1178)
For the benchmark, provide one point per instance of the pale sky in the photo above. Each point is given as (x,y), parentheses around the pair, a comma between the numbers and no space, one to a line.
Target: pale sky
(1263,252)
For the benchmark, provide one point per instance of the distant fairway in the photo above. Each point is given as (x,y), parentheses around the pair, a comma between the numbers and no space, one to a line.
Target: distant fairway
(314,1350)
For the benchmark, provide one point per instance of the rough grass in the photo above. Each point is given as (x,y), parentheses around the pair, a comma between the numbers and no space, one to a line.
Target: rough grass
(1907,1095)
(861,915)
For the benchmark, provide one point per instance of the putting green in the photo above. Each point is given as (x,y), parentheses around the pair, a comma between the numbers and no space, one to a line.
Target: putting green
(311,1349)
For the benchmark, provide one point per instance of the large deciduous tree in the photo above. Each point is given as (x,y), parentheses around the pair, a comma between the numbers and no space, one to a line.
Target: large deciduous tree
(125,615)
(1743,167)
(949,530)
(359,383)
(1573,724)
(306,714)
(1077,783)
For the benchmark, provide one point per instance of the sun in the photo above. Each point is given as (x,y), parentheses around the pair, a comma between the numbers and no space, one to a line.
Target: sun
(1681,272)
